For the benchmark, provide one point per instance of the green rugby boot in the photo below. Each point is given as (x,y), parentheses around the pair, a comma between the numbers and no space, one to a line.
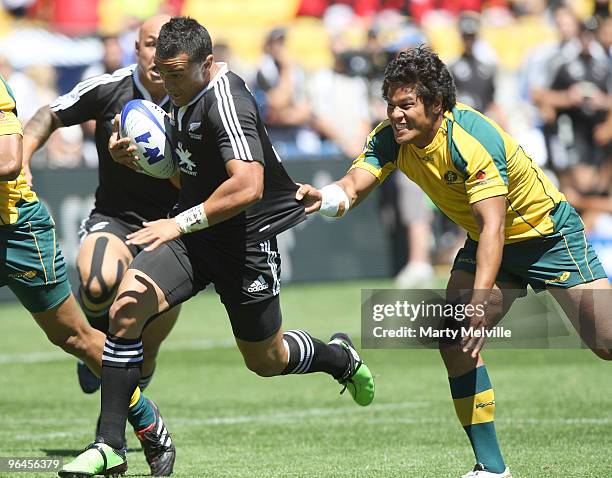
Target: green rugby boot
(97,459)
(358,379)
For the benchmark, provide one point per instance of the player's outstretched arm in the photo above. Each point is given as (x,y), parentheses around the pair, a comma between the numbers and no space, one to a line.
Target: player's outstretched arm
(334,200)
(10,156)
(35,135)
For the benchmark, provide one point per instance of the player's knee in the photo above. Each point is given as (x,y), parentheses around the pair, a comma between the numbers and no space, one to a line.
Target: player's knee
(123,315)
(449,350)
(149,358)
(98,293)
(75,344)
(262,367)
(148,365)
(97,296)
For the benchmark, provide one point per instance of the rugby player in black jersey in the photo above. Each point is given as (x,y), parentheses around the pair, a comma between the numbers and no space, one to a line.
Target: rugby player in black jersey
(235,198)
(124,199)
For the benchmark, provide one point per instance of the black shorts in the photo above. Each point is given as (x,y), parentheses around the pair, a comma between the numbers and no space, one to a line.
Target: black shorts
(246,277)
(120,227)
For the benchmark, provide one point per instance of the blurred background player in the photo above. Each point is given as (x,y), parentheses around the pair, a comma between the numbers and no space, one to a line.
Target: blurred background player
(474,71)
(328,90)
(280,86)
(124,200)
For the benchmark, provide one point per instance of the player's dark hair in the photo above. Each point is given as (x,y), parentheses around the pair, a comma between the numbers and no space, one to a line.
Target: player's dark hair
(183,35)
(422,68)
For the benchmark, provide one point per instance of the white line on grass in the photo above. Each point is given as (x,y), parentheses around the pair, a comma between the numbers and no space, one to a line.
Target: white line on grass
(333,416)
(334,412)
(296,415)
(54,356)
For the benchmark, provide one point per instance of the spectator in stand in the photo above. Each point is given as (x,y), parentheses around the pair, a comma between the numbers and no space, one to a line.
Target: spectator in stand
(112,58)
(23,88)
(280,90)
(596,206)
(418,10)
(223,53)
(604,35)
(475,78)
(339,99)
(580,95)
(602,8)
(416,218)
(535,79)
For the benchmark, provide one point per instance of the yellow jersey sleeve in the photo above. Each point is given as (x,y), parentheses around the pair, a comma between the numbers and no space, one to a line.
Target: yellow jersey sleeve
(9,124)
(379,153)
(479,151)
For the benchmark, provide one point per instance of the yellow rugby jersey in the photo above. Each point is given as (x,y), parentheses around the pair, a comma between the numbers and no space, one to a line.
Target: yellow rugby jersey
(471,158)
(11,192)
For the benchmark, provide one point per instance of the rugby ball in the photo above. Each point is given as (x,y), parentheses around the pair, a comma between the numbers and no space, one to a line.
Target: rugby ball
(144,123)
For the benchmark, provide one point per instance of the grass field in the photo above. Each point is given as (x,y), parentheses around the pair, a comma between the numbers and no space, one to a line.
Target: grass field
(554,407)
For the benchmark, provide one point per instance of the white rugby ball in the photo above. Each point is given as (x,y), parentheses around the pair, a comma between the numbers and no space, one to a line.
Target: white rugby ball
(144,123)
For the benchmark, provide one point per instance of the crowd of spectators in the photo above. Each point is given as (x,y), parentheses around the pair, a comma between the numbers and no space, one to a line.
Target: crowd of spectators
(553,93)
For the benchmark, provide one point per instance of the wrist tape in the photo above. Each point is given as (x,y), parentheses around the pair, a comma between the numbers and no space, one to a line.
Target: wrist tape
(192,219)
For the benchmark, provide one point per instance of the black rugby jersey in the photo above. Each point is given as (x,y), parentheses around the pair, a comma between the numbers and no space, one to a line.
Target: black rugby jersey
(121,191)
(475,82)
(222,123)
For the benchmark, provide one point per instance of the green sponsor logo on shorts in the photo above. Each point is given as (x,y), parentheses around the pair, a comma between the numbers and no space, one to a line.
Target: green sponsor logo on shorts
(562,278)
(23,275)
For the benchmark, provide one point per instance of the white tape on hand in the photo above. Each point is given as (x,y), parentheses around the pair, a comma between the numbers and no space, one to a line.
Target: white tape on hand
(334,201)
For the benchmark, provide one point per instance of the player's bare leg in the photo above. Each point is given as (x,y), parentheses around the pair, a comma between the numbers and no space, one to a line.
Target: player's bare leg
(296,351)
(267,358)
(152,337)
(138,299)
(102,261)
(65,327)
(470,385)
(588,308)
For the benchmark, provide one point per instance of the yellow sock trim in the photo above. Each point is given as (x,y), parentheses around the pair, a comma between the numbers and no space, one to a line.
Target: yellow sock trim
(479,408)
(135,397)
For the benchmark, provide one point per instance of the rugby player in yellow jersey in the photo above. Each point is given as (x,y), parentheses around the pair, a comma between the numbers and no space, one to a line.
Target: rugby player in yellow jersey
(32,264)
(520,228)
(33,267)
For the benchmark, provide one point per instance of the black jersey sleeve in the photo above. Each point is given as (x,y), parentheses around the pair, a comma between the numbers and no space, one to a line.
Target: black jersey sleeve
(233,119)
(87,98)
